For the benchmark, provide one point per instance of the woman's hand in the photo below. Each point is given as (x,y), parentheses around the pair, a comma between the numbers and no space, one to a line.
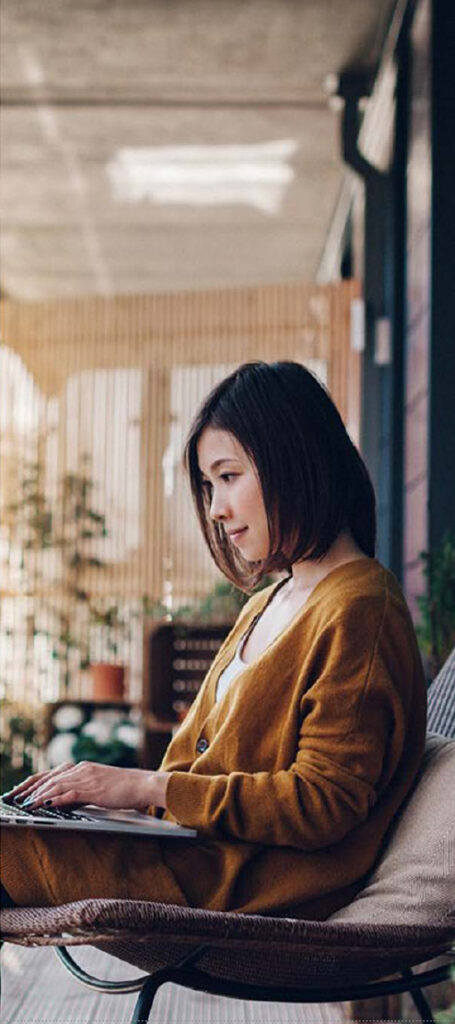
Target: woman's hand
(70,785)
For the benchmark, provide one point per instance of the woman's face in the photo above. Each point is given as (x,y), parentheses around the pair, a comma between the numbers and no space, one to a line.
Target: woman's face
(235,492)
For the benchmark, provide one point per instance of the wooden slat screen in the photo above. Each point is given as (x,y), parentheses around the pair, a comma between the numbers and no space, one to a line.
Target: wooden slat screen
(117,381)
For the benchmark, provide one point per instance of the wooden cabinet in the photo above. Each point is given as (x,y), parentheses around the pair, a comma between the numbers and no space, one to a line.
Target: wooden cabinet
(177,657)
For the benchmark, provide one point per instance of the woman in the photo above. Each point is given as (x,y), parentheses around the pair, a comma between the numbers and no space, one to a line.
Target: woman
(308,731)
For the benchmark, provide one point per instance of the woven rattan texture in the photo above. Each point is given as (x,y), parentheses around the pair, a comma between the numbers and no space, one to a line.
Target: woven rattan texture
(253,949)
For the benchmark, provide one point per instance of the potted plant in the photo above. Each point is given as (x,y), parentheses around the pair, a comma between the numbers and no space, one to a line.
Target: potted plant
(54,559)
(108,675)
(110,633)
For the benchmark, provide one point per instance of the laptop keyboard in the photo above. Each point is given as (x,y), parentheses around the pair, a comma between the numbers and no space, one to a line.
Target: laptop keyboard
(16,811)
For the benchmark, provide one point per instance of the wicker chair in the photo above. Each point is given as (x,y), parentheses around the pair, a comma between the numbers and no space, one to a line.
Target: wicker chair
(402,918)
(441,700)
(236,955)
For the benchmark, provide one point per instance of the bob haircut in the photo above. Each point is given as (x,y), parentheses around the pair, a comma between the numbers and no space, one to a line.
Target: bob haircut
(314,482)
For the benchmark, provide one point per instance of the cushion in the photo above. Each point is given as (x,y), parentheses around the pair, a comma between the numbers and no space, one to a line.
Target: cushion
(441,700)
(414,880)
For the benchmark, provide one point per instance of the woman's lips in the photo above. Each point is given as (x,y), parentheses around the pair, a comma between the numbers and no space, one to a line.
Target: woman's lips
(238,533)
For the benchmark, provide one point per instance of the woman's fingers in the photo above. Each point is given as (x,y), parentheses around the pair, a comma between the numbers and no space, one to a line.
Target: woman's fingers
(71,785)
(57,798)
(70,799)
(33,782)
(49,791)
(89,782)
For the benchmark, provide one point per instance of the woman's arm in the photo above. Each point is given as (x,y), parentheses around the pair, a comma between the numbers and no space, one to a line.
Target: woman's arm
(91,783)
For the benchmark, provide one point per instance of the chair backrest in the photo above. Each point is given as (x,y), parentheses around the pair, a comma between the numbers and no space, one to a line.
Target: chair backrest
(414,880)
(441,700)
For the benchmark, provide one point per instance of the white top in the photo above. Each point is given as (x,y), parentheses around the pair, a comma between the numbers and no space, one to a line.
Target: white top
(232,670)
(237,665)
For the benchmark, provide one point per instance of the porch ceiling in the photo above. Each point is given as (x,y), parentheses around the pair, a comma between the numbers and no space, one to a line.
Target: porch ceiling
(94,90)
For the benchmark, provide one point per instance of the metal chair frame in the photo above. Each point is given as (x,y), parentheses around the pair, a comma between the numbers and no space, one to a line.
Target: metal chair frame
(186,974)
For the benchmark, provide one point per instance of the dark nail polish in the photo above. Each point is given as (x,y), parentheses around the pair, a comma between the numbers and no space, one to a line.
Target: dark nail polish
(47,803)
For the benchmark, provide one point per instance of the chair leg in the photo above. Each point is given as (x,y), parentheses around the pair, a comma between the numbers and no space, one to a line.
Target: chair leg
(420,1001)
(145,1001)
(152,984)
(422,1006)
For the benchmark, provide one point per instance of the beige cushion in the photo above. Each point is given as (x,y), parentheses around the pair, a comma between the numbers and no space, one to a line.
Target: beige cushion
(414,880)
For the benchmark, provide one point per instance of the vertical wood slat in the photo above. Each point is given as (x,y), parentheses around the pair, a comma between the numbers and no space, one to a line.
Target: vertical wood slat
(82,355)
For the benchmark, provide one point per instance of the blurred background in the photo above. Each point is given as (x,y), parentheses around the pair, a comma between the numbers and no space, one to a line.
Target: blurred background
(186,186)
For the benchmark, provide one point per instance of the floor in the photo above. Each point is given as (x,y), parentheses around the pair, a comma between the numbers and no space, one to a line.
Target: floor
(36,989)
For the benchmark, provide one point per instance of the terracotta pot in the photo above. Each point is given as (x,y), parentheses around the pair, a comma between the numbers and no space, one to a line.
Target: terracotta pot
(108,681)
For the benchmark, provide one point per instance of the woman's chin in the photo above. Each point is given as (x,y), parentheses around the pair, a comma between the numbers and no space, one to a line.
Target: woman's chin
(249,555)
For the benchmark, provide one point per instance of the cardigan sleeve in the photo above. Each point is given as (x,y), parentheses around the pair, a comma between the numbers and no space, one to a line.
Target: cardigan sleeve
(351,713)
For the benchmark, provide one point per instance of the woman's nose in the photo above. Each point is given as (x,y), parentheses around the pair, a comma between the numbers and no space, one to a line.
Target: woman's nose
(218,506)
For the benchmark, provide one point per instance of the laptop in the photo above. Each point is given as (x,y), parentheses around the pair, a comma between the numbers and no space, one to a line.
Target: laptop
(92,819)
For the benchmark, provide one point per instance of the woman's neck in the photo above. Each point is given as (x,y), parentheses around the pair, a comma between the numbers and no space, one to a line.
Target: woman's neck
(306,575)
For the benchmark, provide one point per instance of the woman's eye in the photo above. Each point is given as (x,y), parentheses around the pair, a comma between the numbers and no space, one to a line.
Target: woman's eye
(207,486)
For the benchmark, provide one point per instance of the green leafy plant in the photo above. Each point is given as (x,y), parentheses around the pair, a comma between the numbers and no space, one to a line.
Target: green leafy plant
(112,625)
(436,630)
(222,604)
(67,526)
(28,520)
(77,525)
(54,542)
(114,751)
(19,741)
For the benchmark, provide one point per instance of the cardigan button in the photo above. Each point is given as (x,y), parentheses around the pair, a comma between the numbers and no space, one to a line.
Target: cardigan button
(202,745)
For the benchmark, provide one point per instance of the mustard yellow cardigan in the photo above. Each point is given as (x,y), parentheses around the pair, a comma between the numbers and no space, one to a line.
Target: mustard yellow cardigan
(292,779)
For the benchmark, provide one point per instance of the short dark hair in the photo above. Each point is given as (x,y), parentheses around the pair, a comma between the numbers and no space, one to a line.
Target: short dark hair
(314,481)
